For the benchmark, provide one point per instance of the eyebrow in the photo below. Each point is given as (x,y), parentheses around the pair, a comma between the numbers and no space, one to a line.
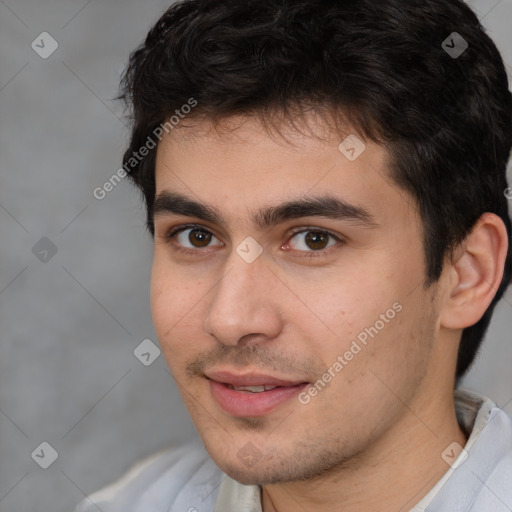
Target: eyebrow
(327,206)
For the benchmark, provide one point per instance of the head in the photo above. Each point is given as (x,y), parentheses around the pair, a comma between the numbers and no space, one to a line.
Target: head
(270,114)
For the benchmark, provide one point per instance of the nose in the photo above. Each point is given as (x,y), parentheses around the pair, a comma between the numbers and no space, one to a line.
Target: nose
(245,304)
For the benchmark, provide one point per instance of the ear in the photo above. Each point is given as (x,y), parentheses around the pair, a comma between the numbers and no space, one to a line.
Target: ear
(475,273)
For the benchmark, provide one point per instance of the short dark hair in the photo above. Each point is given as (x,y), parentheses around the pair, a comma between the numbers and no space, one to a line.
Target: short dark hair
(382,66)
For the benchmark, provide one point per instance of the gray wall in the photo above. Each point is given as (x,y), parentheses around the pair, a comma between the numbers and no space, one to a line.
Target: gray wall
(69,325)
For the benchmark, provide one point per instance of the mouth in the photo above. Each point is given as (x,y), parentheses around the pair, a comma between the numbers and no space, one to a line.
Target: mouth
(251,395)
(251,389)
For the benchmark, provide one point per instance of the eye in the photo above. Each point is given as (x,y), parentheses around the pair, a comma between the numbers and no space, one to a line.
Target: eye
(314,240)
(191,237)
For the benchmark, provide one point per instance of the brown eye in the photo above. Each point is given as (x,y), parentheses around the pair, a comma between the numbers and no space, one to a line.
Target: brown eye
(312,240)
(317,240)
(192,237)
(199,238)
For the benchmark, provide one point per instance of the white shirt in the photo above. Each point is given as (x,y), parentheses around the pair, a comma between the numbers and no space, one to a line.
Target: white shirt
(186,479)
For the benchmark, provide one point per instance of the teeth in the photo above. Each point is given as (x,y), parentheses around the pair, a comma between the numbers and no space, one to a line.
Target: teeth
(251,389)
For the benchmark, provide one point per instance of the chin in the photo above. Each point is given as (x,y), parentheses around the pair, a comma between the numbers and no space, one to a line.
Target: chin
(249,476)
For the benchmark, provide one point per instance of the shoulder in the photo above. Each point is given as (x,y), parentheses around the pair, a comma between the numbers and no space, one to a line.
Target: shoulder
(479,480)
(495,469)
(182,478)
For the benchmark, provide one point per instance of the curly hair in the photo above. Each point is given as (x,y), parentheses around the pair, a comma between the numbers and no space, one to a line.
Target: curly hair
(445,119)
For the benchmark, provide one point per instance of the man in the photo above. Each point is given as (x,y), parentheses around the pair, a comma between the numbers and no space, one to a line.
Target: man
(324,182)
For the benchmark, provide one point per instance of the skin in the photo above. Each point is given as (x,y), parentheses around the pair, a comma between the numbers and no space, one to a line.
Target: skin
(373,438)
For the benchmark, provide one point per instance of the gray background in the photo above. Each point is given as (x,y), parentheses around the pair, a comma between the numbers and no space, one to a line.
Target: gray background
(69,326)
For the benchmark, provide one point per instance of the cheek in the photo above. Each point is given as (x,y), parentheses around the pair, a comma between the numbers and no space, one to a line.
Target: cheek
(163,308)
(392,356)
(350,306)
(369,329)
(175,302)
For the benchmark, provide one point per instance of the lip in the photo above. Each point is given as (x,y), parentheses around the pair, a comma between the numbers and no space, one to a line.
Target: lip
(250,379)
(246,404)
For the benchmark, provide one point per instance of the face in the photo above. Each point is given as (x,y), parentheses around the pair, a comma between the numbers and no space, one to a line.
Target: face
(322,298)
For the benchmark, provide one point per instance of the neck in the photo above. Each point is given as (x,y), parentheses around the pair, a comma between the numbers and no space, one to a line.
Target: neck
(394,473)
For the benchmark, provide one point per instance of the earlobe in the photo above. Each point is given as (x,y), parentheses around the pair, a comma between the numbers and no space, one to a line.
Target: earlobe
(476,272)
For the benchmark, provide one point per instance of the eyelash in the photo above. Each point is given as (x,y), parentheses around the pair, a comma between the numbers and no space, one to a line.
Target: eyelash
(307,254)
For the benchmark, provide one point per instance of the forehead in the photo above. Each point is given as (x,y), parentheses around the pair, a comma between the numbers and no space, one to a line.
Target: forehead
(240,166)
(309,147)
